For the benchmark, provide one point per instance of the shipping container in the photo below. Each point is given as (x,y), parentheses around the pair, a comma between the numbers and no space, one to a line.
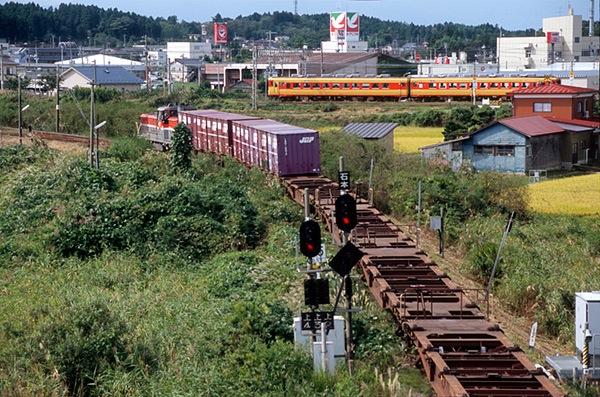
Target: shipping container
(212,130)
(278,148)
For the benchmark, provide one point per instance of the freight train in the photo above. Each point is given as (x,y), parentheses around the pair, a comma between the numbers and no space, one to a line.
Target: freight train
(280,149)
(395,88)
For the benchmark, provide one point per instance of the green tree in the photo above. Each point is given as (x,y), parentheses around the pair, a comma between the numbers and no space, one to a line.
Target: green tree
(181,151)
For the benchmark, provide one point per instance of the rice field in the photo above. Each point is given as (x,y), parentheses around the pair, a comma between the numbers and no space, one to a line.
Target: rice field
(577,195)
(408,139)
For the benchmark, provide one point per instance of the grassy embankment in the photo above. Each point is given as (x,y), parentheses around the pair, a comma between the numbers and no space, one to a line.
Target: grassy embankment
(133,280)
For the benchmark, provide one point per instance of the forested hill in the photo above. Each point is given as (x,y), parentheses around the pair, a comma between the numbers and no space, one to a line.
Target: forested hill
(34,24)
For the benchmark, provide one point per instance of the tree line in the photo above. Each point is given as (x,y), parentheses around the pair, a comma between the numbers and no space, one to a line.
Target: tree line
(89,25)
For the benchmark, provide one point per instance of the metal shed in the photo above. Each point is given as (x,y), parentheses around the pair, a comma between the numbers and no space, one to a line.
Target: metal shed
(380,132)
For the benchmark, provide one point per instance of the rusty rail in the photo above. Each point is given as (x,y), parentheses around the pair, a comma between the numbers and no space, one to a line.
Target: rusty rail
(462,353)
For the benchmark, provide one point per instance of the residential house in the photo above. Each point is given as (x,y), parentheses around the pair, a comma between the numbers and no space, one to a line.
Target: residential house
(115,77)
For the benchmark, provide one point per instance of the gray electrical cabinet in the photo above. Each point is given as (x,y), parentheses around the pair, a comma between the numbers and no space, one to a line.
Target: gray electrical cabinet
(587,311)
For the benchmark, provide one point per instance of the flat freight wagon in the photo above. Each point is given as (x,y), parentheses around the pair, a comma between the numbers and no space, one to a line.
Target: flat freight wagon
(211,129)
(278,148)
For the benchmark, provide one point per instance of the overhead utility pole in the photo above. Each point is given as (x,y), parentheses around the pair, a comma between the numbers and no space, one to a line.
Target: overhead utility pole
(57,128)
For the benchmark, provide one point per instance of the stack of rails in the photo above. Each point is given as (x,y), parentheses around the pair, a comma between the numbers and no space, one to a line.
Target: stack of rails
(462,353)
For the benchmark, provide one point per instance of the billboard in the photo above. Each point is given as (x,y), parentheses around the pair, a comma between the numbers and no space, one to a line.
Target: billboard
(221,34)
(552,37)
(337,25)
(352,26)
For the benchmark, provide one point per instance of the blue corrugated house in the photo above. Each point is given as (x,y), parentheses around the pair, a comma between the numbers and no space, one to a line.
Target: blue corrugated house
(518,144)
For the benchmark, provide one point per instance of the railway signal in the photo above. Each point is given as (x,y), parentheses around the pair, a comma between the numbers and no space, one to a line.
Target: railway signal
(310,238)
(316,291)
(343,262)
(345,213)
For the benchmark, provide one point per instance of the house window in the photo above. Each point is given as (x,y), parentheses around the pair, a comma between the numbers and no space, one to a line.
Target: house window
(480,149)
(579,107)
(542,107)
(577,39)
(505,151)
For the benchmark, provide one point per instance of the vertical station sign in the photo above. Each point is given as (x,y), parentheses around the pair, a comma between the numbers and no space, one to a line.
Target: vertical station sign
(221,33)
(352,26)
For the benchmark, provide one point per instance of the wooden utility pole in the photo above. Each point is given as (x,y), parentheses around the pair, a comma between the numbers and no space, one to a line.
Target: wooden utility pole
(254,79)
(1,68)
(92,121)
(147,67)
(20,109)
(57,128)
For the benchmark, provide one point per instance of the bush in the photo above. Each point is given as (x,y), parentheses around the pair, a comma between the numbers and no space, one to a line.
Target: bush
(329,107)
(128,148)
(429,118)
(181,153)
(87,340)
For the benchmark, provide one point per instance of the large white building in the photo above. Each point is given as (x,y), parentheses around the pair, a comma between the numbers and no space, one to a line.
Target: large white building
(188,50)
(563,41)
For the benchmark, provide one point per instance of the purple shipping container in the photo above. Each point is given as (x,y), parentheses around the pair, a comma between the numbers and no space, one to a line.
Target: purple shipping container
(279,148)
(212,130)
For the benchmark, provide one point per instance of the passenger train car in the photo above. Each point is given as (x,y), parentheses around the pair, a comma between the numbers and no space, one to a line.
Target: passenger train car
(400,87)
(277,148)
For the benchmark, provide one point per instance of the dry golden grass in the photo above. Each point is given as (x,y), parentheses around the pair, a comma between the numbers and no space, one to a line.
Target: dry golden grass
(578,195)
(409,139)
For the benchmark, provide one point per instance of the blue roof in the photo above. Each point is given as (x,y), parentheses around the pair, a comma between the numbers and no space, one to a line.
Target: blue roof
(107,75)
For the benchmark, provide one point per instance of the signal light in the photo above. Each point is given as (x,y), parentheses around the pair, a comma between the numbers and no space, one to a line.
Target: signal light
(310,238)
(345,213)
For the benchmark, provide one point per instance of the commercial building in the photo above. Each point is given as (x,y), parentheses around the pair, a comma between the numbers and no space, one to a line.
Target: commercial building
(188,49)
(563,41)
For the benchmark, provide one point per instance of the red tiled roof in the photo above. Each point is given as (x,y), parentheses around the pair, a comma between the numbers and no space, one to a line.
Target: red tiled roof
(531,125)
(580,122)
(551,89)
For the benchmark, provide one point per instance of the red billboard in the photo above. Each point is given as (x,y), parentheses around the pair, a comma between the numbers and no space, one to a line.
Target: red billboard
(221,34)
(552,37)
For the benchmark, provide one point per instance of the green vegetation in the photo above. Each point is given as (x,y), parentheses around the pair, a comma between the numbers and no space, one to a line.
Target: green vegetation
(32,23)
(181,153)
(547,257)
(133,280)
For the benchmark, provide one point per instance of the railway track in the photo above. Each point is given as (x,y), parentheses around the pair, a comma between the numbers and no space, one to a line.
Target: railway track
(52,136)
(463,353)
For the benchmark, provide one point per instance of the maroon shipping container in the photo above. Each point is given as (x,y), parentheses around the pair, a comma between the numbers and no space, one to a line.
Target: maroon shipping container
(279,148)
(212,130)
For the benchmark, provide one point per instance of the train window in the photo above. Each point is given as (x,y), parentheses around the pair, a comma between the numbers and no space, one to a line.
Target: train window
(494,85)
(515,85)
(420,85)
(525,84)
(354,85)
(463,85)
(296,85)
(306,85)
(366,85)
(385,86)
(376,86)
(443,85)
(453,85)
(336,85)
(346,85)
(432,85)
(505,85)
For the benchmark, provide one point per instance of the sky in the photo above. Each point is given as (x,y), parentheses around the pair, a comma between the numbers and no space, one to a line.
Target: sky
(510,14)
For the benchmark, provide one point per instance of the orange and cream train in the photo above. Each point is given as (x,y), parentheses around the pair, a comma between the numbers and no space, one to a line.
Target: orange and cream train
(400,87)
